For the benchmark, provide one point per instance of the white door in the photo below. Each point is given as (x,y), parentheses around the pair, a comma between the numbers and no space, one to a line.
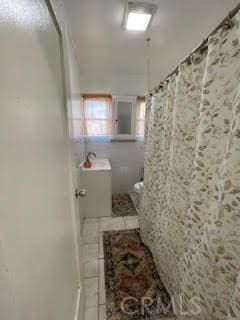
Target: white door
(38,243)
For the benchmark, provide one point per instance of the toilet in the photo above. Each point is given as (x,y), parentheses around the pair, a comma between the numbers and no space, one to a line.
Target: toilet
(136,194)
(138,187)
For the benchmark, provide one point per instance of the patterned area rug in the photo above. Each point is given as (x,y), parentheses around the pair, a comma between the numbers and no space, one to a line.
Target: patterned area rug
(133,288)
(122,205)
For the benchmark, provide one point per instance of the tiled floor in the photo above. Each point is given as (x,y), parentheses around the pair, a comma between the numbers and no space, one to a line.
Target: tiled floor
(95,308)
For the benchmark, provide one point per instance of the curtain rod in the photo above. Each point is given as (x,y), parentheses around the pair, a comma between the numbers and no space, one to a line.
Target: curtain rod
(202,47)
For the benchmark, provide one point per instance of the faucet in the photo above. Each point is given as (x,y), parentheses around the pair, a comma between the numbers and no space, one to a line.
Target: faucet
(89,154)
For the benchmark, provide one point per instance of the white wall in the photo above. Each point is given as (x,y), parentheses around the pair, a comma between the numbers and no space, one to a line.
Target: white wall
(126,159)
(39,274)
(72,75)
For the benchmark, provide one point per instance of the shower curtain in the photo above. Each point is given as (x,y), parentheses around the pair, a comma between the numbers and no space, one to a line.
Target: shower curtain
(190,208)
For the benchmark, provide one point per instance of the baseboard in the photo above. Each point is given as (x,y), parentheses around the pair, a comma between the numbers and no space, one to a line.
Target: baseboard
(79,314)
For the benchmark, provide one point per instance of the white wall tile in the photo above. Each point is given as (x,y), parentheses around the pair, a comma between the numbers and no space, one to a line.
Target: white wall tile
(126,159)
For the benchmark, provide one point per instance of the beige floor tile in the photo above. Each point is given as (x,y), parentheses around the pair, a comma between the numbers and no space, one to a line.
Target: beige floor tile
(90,233)
(111,224)
(102,293)
(131,222)
(91,313)
(90,260)
(91,292)
(90,220)
(102,312)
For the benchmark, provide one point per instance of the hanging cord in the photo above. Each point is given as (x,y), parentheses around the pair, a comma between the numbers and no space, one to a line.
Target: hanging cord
(148,64)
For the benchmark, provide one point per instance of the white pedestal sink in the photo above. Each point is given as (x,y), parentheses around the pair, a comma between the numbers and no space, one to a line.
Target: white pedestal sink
(97,181)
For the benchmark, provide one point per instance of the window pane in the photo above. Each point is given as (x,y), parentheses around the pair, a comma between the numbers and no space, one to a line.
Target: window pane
(141,106)
(124,116)
(142,110)
(97,116)
(96,110)
(98,128)
(140,128)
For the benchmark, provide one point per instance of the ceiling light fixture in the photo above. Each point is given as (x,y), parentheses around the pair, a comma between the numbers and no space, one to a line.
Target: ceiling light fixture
(138,15)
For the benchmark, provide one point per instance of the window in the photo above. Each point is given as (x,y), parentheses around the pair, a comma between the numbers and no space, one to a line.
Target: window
(97,118)
(97,115)
(140,116)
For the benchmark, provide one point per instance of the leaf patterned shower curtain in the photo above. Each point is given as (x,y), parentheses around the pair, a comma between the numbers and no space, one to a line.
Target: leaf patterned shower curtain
(190,209)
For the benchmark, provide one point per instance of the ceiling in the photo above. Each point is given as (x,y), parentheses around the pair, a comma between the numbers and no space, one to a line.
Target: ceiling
(113,60)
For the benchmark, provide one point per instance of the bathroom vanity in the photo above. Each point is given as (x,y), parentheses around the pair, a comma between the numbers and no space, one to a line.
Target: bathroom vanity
(97,181)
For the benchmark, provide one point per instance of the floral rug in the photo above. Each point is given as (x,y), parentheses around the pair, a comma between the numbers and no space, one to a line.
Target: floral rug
(134,290)
(122,205)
